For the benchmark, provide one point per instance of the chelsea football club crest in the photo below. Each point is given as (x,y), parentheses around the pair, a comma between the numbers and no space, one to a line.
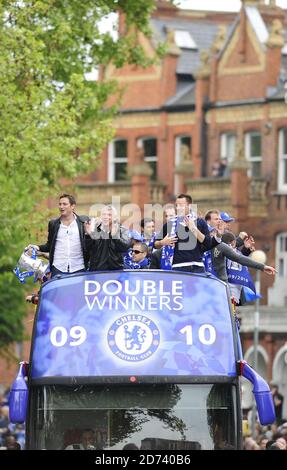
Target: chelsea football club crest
(133,338)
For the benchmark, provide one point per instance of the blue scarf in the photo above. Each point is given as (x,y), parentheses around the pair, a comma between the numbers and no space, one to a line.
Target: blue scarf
(149,243)
(127,258)
(130,264)
(167,250)
(207,261)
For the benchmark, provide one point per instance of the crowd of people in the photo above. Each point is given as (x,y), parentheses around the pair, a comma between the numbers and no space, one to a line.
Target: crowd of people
(185,242)
(12,436)
(271,437)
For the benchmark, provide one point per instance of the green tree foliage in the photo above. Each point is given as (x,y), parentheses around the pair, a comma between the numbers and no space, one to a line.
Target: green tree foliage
(54,122)
(12,309)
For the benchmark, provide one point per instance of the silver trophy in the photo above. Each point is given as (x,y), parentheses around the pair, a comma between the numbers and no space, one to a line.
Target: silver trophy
(30,265)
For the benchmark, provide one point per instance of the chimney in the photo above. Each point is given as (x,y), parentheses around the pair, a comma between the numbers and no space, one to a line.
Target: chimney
(216,47)
(164,8)
(202,76)
(239,185)
(169,64)
(274,44)
(253,3)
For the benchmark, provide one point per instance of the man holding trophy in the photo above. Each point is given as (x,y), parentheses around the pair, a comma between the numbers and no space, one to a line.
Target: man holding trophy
(66,242)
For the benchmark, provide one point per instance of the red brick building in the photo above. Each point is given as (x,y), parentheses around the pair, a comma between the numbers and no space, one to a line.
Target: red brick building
(218,94)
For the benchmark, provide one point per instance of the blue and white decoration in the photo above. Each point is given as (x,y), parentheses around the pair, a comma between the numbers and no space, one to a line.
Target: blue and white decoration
(133,323)
(168,250)
(133,339)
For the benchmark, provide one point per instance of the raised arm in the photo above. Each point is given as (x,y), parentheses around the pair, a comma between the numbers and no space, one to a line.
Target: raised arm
(227,251)
(164,238)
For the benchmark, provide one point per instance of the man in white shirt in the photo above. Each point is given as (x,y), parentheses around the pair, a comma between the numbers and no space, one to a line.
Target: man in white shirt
(66,242)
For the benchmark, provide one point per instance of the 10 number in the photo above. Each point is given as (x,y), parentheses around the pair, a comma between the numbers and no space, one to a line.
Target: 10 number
(204,338)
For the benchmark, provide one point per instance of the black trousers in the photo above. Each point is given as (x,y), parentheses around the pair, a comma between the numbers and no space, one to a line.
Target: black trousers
(190,269)
(55,272)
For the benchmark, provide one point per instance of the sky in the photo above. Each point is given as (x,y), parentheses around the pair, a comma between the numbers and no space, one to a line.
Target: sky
(225,5)
(217,5)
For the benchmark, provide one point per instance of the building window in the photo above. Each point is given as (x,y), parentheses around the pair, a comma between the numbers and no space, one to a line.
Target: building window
(183,149)
(227,146)
(118,160)
(183,152)
(282,167)
(253,153)
(184,40)
(149,146)
(281,254)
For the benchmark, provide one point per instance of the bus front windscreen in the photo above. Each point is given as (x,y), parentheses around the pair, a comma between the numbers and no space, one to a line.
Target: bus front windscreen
(185,416)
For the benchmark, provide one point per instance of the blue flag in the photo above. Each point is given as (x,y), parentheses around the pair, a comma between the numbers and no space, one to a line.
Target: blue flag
(238,274)
(249,295)
(149,243)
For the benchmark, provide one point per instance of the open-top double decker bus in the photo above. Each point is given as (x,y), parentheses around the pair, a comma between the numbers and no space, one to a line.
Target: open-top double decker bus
(146,357)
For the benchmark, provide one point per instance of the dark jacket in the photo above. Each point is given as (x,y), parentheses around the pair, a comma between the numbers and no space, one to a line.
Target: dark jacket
(53,228)
(188,248)
(106,252)
(155,261)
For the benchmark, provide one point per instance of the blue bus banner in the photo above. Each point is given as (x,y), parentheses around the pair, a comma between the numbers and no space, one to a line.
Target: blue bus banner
(133,323)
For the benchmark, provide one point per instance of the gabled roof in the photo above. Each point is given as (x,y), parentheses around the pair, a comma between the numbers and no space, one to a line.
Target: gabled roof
(257,23)
(202,33)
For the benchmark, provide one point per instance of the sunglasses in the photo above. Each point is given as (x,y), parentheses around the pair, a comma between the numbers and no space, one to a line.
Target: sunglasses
(136,252)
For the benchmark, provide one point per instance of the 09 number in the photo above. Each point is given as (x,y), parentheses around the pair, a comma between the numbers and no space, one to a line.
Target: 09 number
(59,336)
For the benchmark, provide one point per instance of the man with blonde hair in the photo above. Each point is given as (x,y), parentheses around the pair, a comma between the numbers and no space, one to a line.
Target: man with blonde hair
(109,240)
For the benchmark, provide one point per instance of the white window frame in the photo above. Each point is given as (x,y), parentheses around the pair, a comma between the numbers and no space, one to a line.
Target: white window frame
(178,140)
(249,158)
(281,254)
(140,144)
(113,161)
(223,146)
(282,161)
(177,159)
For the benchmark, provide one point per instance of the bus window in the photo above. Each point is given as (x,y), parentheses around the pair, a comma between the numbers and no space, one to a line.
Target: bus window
(152,416)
